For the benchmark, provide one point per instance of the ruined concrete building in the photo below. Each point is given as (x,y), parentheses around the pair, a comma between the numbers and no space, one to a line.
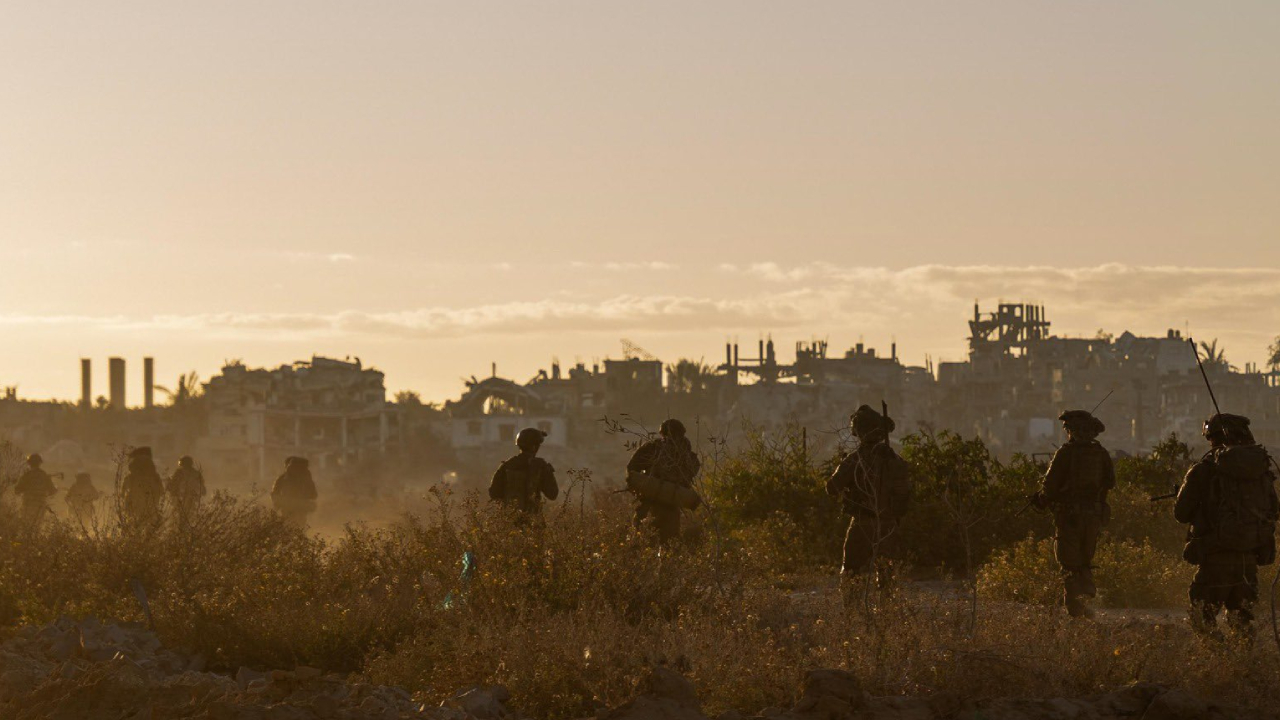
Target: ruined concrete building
(334,412)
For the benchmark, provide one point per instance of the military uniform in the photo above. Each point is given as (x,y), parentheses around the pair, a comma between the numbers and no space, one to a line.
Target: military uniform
(1229,500)
(522,481)
(294,493)
(80,498)
(185,487)
(873,485)
(142,490)
(670,458)
(35,487)
(1075,490)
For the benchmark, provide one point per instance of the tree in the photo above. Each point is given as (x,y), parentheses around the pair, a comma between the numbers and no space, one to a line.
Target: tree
(1214,356)
(185,392)
(690,377)
(408,397)
(1273,354)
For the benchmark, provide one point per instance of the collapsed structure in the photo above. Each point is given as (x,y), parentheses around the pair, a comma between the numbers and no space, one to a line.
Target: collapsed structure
(1009,391)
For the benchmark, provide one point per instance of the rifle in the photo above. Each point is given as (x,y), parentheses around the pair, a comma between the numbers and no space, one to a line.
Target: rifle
(1033,500)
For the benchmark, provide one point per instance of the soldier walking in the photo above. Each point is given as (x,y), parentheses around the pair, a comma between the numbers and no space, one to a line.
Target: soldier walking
(1229,500)
(873,486)
(1075,489)
(185,487)
(294,493)
(142,490)
(35,487)
(524,479)
(80,499)
(668,458)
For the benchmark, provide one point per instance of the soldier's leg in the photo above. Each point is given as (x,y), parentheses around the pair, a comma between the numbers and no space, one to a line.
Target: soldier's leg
(1069,547)
(1242,597)
(668,521)
(1206,598)
(855,567)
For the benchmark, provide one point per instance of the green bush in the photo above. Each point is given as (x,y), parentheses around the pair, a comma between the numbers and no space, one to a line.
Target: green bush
(1128,575)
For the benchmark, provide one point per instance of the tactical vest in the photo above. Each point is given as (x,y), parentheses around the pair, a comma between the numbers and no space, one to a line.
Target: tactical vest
(523,485)
(1089,475)
(1239,513)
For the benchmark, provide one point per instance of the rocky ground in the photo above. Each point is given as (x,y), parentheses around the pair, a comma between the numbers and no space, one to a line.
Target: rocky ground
(78,670)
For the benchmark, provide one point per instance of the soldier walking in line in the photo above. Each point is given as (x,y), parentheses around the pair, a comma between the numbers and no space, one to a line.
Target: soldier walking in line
(142,490)
(1229,500)
(294,493)
(668,458)
(1075,490)
(873,486)
(34,487)
(80,499)
(185,487)
(524,479)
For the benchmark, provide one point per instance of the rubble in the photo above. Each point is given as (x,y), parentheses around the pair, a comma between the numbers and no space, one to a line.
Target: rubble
(86,669)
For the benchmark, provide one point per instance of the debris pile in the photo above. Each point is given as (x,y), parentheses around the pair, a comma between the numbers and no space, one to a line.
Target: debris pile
(88,669)
(78,669)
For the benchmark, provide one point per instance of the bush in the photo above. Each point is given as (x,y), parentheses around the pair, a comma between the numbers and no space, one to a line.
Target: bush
(1128,575)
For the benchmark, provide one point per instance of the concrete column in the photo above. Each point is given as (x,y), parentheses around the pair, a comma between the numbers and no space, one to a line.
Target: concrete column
(86,383)
(148,383)
(115,366)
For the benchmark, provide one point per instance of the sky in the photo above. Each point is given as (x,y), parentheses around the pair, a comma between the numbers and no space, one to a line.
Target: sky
(435,187)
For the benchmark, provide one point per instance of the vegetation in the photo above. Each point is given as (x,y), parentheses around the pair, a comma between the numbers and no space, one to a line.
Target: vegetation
(569,610)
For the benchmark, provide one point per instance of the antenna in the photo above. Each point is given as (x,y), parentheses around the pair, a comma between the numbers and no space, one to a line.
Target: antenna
(1205,375)
(1095,407)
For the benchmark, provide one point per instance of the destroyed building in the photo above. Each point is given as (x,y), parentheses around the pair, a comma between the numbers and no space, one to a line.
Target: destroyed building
(333,412)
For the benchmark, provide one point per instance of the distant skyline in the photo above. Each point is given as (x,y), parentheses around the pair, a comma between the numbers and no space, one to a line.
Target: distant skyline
(436,186)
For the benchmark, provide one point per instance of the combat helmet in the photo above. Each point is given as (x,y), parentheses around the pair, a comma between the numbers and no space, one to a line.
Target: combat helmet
(1083,422)
(1228,429)
(530,438)
(866,421)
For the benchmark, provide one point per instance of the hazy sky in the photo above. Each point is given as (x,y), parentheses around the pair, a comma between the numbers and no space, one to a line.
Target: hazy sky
(434,186)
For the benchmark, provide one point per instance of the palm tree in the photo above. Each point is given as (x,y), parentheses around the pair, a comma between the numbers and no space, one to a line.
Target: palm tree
(690,376)
(187,390)
(1214,356)
(1274,354)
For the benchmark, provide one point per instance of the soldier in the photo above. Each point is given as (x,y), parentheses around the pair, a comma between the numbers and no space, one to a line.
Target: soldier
(185,487)
(1075,490)
(523,480)
(670,458)
(142,490)
(873,485)
(1229,500)
(294,493)
(35,487)
(80,498)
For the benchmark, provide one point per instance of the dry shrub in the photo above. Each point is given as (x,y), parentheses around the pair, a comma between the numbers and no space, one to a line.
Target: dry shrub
(1128,575)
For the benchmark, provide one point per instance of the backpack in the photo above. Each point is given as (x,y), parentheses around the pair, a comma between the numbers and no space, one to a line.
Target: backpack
(1240,512)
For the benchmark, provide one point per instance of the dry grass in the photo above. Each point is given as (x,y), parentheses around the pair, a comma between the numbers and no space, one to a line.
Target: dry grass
(569,611)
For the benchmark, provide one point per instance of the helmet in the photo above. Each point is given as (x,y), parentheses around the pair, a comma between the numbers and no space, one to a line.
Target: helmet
(34,460)
(530,438)
(1228,429)
(672,428)
(1082,421)
(82,476)
(186,461)
(296,462)
(865,421)
(140,451)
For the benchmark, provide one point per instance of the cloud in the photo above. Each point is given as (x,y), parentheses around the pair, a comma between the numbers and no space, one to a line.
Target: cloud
(924,307)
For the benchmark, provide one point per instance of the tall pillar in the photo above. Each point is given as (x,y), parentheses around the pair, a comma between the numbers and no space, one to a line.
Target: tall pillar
(86,383)
(116,370)
(148,383)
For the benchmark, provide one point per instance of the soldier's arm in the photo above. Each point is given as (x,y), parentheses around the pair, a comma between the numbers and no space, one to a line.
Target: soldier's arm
(550,487)
(1110,481)
(1056,479)
(1191,494)
(643,458)
(838,482)
(497,486)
